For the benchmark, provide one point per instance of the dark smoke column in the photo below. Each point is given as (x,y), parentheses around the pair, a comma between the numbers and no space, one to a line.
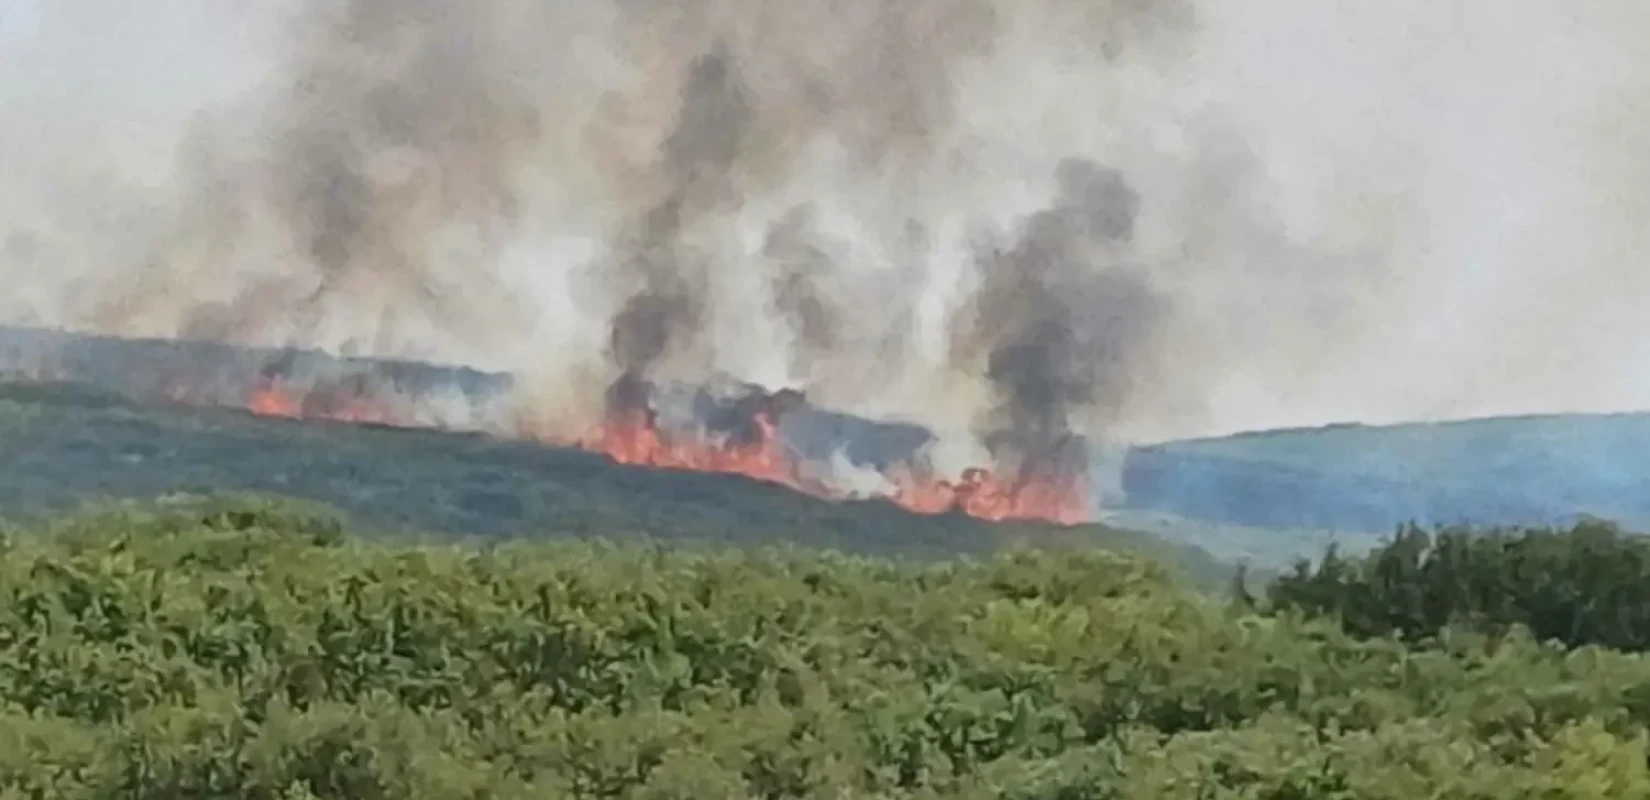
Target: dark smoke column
(668,305)
(1059,323)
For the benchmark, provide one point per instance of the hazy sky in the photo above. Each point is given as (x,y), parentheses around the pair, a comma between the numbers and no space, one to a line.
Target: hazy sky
(18,19)
(1375,211)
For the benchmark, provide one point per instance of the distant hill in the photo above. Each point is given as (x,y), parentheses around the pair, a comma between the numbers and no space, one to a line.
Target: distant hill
(1356,479)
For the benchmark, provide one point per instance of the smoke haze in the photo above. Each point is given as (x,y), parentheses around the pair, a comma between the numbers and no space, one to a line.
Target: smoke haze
(1127,220)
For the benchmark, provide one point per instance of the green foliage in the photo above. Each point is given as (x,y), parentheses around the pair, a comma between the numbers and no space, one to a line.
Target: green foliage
(1586,585)
(250,650)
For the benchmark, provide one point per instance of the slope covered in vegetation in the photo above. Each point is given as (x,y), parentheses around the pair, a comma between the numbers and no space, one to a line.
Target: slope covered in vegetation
(1266,498)
(64,445)
(249,650)
(1359,479)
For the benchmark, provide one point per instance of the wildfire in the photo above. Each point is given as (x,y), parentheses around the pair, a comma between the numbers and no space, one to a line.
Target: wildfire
(633,437)
(273,397)
(981,493)
(269,401)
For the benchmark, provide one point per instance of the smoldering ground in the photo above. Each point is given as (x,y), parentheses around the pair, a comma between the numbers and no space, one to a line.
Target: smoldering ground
(912,210)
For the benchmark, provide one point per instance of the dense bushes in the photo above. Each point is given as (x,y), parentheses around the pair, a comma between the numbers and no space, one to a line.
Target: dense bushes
(237,652)
(1586,585)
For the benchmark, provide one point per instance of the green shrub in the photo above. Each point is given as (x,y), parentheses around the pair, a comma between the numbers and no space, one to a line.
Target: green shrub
(250,650)
(1586,585)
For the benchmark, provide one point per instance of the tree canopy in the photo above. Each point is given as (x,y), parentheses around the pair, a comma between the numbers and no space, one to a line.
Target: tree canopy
(253,650)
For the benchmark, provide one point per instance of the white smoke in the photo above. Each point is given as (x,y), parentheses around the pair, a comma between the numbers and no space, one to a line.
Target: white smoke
(1377,212)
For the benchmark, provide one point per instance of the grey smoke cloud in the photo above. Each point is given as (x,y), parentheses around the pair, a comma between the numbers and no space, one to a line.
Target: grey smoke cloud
(1057,322)
(915,209)
(698,154)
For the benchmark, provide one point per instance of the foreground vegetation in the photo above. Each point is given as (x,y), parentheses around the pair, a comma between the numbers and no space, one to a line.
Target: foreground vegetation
(1589,585)
(253,650)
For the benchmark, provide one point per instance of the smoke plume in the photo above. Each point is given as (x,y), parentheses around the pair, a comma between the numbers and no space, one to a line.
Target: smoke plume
(1057,320)
(1024,226)
(698,154)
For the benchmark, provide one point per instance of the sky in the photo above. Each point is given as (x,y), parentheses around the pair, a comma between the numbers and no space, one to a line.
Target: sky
(1376,212)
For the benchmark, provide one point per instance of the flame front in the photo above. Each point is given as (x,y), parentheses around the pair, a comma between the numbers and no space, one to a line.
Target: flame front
(269,400)
(633,437)
(984,494)
(276,398)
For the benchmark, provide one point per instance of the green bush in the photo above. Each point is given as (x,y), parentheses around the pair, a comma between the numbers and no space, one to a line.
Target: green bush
(1586,585)
(248,650)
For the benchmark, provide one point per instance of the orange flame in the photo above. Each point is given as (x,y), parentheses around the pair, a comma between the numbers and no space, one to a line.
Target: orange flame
(270,400)
(634,439)
(984,494)
(274,398)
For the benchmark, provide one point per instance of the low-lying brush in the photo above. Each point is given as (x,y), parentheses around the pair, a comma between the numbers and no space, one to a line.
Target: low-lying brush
(242,650)
(1588,585)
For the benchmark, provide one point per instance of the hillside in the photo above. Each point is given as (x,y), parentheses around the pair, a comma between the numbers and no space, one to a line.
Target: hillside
(65,445)
(1266,497)
(1358,479)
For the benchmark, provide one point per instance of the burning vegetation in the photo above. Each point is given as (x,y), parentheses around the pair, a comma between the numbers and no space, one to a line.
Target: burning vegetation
(741,429)
(746,435)
(411,164)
